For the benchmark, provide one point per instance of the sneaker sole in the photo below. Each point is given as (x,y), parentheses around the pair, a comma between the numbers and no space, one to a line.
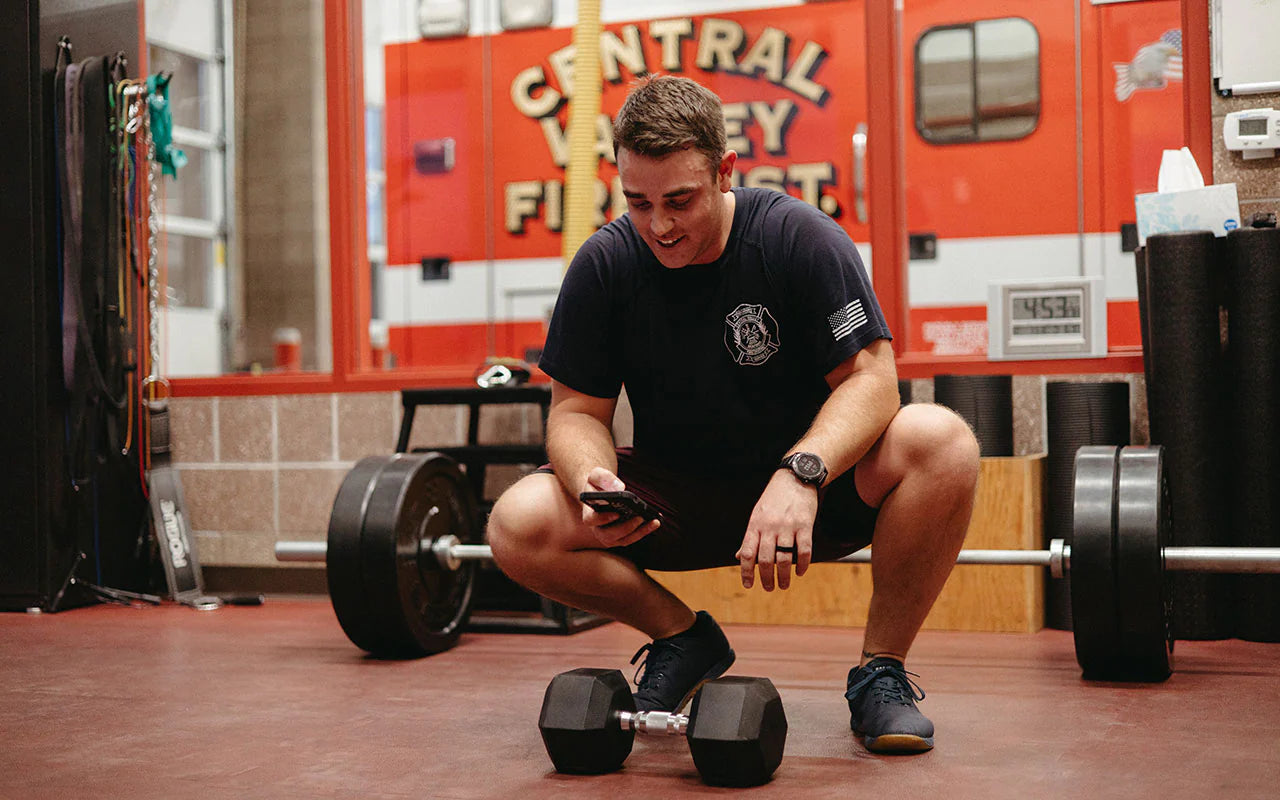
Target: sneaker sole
(898,743)
(720,668)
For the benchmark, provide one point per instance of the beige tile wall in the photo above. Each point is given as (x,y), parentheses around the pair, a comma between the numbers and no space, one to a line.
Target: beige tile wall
(260,469)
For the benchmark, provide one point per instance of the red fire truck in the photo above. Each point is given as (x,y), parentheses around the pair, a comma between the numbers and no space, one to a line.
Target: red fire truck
(1029,127)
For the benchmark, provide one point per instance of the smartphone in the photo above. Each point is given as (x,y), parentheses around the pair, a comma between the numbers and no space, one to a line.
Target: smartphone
(625,504)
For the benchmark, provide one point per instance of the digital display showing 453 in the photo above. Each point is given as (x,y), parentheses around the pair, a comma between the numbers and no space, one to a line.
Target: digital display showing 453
(1041,306)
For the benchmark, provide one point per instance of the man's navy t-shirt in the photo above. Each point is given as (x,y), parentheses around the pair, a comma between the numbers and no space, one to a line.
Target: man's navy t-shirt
(724,363)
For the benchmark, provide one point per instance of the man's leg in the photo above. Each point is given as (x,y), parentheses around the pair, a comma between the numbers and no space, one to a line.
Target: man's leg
(922,474)
(539,541)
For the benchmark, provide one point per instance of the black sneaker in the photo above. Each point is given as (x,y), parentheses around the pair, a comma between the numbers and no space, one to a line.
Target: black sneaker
(882,707)
(675,667)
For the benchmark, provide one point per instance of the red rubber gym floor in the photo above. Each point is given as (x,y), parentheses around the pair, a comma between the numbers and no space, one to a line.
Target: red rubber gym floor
(274,702)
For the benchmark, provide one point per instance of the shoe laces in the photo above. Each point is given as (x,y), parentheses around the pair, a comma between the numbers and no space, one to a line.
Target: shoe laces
(655,659)
(889,684)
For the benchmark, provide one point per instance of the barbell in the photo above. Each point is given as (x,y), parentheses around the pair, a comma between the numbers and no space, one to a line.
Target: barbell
(1057,558)
(403,537)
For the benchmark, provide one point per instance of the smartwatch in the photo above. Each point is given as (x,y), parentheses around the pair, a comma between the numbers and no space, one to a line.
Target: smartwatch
(807,467)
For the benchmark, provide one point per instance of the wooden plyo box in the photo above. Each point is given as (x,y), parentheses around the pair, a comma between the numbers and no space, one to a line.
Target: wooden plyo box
(1008,514)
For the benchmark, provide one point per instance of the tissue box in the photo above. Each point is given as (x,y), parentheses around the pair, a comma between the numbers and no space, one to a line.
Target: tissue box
(1209,208)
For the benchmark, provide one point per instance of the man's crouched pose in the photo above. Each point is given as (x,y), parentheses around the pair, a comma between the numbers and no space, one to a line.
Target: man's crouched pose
(767,422)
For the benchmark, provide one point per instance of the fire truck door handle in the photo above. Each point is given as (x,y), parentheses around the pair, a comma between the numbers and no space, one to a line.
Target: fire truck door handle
(860,172)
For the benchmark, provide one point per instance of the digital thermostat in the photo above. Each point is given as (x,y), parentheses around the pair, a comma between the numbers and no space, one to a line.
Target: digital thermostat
(1046,318)
(1255,133)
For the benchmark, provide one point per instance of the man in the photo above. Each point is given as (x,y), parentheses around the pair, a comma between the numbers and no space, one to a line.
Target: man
(767,424)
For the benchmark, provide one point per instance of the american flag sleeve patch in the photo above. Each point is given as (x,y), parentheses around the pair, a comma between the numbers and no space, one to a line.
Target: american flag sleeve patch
(845,321)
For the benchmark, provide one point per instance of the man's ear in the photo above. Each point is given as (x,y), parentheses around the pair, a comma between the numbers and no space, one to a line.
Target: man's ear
(724,173)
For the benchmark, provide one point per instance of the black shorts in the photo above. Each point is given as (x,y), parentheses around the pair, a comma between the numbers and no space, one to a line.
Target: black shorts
(704,517)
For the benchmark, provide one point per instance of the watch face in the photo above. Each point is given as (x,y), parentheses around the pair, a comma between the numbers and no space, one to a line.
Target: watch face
(807,465)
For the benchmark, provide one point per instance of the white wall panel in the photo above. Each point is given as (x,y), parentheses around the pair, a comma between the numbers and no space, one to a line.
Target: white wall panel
(188,26)
(1103,256)
(523,289)
(191,342)
(964,267)
(402,25)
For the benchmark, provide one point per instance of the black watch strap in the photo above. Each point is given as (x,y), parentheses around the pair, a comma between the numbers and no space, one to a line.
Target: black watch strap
(807,467)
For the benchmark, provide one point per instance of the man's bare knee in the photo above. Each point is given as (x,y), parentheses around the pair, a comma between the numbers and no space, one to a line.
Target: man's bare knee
(936,440)
(955,448)
(924,441)
(524,521)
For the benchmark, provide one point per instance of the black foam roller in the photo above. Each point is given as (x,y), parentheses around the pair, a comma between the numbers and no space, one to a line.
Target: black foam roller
(1144,323)
(1253,308)
(1077,414)
(1188,415)
(986,403)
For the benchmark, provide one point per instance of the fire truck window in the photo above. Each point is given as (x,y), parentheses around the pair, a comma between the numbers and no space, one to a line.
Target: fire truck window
(978,81)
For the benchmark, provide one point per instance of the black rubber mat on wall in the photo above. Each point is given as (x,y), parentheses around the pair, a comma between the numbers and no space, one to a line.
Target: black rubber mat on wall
(1077,414)
(1188,415)
(1253,308)
(986,403)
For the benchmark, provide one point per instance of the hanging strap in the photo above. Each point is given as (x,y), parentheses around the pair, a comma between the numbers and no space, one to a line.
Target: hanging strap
(68,115)
(88,196)
(103,344)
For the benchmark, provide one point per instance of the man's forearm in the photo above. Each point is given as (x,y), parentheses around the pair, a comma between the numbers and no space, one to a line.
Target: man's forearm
(851,420)
(576,443)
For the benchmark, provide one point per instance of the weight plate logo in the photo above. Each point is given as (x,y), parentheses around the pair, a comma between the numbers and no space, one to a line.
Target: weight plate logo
(751,334)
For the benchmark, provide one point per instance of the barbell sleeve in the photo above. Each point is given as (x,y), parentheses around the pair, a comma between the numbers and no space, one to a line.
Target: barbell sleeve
(301,551)
(1235,560)
(446,547)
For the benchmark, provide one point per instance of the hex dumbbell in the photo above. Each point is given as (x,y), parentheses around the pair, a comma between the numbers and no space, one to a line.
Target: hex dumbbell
(736,728)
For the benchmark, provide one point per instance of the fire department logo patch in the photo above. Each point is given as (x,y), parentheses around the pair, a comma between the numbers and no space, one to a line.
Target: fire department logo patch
(751,334)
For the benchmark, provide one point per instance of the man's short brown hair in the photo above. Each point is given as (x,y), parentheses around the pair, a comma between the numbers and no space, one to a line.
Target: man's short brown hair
(664,114)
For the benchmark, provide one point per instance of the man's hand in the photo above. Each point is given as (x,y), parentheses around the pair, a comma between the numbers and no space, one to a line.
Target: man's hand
(612,535)
(782,519)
